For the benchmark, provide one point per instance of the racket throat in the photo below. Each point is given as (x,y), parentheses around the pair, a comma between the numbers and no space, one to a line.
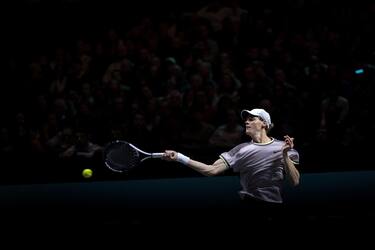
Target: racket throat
(157,155)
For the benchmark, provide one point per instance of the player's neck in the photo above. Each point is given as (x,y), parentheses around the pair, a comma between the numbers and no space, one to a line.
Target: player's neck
(261,137)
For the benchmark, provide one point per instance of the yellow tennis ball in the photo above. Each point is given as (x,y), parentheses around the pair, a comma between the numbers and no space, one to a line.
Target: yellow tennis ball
(87,173)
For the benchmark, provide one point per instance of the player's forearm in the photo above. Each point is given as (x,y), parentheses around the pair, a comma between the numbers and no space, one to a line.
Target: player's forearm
(217,167)
(291,171)
(205,169)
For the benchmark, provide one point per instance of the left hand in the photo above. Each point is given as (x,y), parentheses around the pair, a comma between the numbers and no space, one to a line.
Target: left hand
(288,143)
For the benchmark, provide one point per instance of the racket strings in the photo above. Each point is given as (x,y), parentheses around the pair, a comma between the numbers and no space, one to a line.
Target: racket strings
(123,157)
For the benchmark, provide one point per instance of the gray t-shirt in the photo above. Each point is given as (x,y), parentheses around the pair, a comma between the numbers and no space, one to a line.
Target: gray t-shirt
(261,168)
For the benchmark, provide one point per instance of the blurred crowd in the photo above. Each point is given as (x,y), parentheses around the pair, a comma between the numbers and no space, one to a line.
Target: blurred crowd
(178,78)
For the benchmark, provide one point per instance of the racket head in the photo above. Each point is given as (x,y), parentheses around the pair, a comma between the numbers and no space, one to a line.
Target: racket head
(121,156)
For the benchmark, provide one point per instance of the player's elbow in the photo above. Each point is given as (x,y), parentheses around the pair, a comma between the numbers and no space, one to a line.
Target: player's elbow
(295,180)
(212,171)
(208,173)
(294,183)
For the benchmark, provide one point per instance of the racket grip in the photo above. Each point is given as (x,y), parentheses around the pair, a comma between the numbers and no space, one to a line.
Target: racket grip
(183,158)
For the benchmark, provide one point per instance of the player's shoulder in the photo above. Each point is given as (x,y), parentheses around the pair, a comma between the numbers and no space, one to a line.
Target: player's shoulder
(240,147)
(276,140)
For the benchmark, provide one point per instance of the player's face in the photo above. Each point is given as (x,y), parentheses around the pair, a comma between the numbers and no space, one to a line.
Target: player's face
(253,125)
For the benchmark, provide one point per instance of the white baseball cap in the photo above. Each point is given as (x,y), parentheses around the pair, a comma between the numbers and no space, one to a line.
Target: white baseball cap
(264,115)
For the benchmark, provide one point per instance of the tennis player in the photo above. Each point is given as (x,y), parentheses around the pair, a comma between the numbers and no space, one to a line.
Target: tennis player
(262,163)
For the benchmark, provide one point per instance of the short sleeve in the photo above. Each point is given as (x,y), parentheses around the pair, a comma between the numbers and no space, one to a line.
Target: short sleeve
(233,156)
(293,156)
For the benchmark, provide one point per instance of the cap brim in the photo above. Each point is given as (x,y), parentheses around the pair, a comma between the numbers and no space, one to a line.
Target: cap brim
(246,113)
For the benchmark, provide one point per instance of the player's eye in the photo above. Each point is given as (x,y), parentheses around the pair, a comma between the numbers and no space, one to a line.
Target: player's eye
(252,118)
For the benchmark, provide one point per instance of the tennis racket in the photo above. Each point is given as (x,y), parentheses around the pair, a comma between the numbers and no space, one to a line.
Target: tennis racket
(121,156)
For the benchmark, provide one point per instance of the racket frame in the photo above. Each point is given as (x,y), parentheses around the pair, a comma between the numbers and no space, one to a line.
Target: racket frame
(147,154)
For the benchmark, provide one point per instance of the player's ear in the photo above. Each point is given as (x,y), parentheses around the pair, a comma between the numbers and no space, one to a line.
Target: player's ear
(264,124)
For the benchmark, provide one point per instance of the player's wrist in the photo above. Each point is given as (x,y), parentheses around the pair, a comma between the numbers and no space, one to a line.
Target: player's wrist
(183,159)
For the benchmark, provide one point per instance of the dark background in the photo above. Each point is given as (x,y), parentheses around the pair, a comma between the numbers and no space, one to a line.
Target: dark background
(316,45)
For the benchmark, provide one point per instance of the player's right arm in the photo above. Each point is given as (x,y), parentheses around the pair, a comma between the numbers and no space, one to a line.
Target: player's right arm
(217,167)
